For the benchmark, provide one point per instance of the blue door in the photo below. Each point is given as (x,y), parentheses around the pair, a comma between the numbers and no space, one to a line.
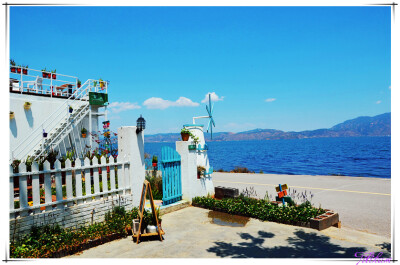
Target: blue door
(171,175)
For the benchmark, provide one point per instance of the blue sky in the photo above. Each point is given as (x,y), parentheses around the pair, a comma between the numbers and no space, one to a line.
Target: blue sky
(288,68)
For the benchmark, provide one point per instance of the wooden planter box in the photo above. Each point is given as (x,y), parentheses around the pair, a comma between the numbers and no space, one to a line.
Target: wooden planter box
(223,192)
(324,221)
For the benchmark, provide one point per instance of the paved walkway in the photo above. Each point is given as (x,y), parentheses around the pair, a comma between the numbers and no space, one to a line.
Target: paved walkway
(193,233)
(362,203)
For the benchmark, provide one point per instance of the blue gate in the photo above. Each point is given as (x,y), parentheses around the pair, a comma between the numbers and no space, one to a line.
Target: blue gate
(171,175)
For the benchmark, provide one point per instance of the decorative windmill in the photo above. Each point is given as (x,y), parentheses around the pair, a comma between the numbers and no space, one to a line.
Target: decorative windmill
(209,109)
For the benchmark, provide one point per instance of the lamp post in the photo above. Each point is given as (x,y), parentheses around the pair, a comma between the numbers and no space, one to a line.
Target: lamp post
(140,124)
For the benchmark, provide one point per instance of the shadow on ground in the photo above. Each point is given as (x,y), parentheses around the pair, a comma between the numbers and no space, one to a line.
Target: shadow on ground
(301,245)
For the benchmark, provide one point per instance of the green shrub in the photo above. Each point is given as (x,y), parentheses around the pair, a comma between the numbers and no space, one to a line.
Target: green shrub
(44,241)
(261,209)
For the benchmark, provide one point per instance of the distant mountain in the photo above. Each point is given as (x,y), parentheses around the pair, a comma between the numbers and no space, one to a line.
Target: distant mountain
(379,125)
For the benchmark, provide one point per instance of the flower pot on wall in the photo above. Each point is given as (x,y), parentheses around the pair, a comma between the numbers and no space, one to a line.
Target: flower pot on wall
(54,76)
(27,106)
(185,136)
(25,71)
(12,116)
(44,134)
(19,70)
(83,135)
(13,69)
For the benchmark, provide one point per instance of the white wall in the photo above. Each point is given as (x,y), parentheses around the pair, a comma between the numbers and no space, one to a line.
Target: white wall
(27,121)
(131,144)
(191,186)
(202,157)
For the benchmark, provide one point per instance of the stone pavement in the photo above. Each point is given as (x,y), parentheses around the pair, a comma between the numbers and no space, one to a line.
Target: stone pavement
(193,233)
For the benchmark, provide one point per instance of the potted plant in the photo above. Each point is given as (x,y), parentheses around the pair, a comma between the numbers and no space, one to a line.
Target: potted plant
(70,109)
(44,134)
(155,161)
(25,70)
(53,74)
(83,131)
(200,171)
(185,134)
(45,74)
(78,83)
(12,115)
(12,67)
(101,82)
(19,69)
(94,83)
(27,105)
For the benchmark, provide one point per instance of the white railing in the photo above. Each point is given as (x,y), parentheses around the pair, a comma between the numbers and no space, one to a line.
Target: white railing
(46,83)
(39,184)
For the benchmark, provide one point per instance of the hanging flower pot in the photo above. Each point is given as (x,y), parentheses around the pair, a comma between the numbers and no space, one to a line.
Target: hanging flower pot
(83,132)
(44,74)
(13,69)
(54,76)
(19,70)
(25,71)
(27,105)
(12,115)
(44,134)
(70,109)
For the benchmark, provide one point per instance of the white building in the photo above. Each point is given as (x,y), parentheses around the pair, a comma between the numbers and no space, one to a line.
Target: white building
(48,112)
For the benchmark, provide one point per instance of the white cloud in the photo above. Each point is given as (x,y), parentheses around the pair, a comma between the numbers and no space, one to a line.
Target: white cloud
(159,103)
(270,99)
(390,87)
(117,107)
(378,102)
(214,97)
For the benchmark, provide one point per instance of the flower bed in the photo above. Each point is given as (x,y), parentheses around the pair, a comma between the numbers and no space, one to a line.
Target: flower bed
(54,241)
(261,209)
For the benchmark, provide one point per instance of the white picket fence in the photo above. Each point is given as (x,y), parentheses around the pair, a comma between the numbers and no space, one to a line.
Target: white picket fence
(118,176)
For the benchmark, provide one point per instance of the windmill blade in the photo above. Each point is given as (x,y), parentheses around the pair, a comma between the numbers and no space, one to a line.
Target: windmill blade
(212,120)
(208,126)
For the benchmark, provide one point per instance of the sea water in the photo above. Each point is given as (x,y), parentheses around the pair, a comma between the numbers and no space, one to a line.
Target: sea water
(348,156)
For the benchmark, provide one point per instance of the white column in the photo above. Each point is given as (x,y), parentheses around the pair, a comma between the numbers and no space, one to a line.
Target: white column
(188,170)
(132,145)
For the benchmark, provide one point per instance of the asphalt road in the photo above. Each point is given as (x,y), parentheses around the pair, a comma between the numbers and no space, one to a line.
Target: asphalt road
(363,204)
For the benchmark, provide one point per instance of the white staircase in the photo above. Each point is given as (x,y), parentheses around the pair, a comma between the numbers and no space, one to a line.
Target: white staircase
(62,131)
(58,125)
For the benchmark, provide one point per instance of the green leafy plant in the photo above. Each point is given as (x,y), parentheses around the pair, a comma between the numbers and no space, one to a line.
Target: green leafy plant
(200,170)
(12,62)
(83,130)
(49,241)
(260,209)
(155,159)
(185,131)
(95,83)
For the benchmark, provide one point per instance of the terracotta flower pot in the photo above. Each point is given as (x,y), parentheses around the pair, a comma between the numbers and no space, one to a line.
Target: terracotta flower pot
(83,135)
(19,70)
(185,136)
(13,69)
